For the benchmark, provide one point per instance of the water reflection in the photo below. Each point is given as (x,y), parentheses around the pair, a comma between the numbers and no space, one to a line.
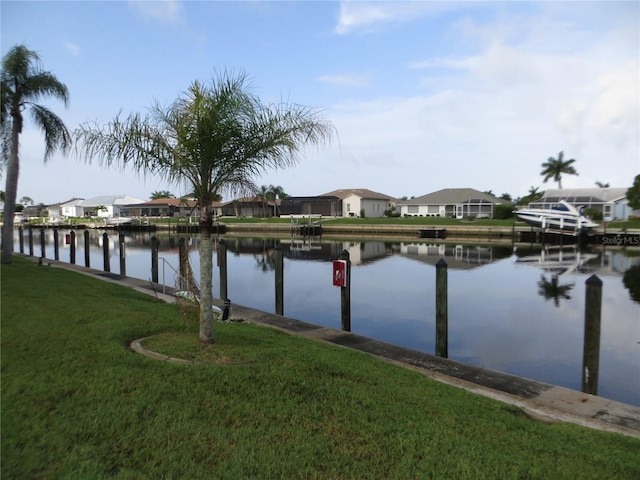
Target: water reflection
(553,290)
(631,280)
(509,309)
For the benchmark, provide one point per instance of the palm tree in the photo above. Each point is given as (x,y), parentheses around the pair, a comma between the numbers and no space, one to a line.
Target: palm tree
(24,82)
(602,184)
(263,196)
(269,195)
(215,137)
(556,167)
(161,194)
(276,193)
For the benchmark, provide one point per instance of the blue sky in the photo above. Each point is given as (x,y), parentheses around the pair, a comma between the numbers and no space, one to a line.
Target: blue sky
(423,95)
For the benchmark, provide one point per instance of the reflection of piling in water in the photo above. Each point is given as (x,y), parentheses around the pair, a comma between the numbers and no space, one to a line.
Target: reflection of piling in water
(442,314)
(591,353)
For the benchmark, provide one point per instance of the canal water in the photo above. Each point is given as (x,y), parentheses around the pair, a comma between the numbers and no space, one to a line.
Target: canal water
(519,310)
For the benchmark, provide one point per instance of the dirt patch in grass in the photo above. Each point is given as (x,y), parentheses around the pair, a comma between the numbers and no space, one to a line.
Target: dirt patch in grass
(186,346)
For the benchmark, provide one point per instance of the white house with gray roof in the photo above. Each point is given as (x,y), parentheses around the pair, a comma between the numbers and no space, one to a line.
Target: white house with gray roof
(105,206)
(358,202)
(451,202)
(69,208)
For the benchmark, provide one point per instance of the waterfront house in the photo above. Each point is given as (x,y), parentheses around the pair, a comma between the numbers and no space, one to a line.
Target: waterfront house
(451,202)
(70,208)
(347,202)
(323,205)
(611,202)
(163,207)
(361,202)
(248,207)
(106,206)
(34,211)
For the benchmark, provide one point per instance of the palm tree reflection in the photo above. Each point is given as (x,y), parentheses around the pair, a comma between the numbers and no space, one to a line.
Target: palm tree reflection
(552,289)
(631,281)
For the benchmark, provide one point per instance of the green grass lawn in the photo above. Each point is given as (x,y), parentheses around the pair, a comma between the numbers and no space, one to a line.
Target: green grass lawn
(77,403)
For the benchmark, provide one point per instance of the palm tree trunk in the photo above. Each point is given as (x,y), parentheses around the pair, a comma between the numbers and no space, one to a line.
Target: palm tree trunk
(206,275)
(11,191)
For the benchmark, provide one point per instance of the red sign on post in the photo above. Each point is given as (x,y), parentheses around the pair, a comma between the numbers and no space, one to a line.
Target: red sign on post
(340,273)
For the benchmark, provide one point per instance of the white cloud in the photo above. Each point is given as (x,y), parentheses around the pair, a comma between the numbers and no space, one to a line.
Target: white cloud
(73,49)
(164,11)
(369,15)
(346,80)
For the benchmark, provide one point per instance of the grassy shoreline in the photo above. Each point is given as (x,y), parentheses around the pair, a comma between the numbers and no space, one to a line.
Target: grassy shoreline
(391,221)
(77,403)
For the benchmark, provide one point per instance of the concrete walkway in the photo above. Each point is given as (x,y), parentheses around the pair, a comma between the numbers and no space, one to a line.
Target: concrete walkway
(538,400)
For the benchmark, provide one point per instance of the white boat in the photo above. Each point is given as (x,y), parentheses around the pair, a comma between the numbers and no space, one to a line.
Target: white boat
(558,260)
(115,221)
(562,216)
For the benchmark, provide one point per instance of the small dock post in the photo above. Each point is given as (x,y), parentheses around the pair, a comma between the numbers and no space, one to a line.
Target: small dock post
(105,252)
(154,259)
(43,251)
(345,294)
(56,244)
(123,259)
(87,246)
(72,247)
(442,313)
(30,241)
(279,271)
(592,321)
(21,239)
(222,264)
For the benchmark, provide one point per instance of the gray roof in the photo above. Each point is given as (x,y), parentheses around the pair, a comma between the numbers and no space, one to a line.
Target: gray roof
(69,203)
(594,195)
(111,200)
(360,192)
(452,196)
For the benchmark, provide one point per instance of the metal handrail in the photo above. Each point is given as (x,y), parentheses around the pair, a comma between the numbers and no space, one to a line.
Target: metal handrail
(166,262)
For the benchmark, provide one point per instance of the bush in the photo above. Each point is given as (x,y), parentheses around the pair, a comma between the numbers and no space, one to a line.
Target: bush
(503,211)
(593,214)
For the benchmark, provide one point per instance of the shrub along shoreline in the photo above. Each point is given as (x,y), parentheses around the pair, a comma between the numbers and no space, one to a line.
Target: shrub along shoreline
(76,402)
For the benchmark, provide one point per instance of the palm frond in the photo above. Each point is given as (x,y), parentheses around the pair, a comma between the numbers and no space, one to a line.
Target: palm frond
(44,84)
(56,135)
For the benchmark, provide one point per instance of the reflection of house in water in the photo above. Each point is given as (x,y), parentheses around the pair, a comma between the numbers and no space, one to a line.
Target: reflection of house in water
(306,248)
(571,259)
(359,252)
(461,257)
